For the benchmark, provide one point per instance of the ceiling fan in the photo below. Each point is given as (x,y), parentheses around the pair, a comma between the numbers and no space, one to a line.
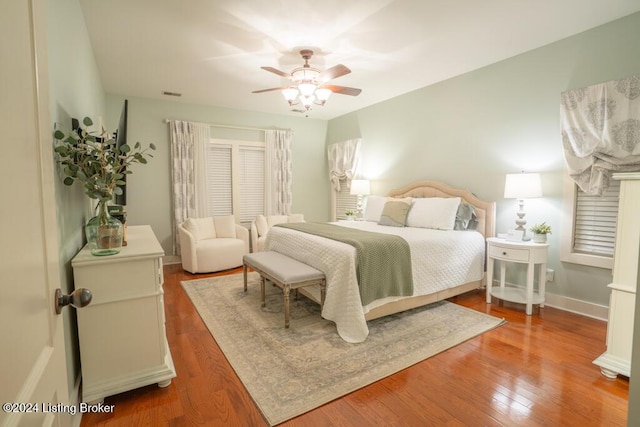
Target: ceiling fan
(309,85)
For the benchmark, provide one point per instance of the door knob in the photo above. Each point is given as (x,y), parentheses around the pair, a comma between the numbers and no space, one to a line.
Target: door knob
(78,299)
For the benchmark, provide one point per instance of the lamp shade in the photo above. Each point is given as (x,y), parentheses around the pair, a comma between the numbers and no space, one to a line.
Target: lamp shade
(360,187)
(522,186)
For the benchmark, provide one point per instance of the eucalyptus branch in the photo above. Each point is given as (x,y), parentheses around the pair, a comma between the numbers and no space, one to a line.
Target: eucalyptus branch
(94,159)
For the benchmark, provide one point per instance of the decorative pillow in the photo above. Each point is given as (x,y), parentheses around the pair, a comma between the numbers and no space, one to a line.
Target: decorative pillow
(205,228)
(277,219)
(374,207)
(466,217)
(261,225)
(395,212)
(191,227)
(296,218)
(225,226)
(434,212)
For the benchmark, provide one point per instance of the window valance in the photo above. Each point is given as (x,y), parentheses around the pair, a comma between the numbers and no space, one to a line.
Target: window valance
(343,161)
(601,131)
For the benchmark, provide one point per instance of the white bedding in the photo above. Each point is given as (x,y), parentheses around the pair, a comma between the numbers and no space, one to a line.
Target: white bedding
(440,260)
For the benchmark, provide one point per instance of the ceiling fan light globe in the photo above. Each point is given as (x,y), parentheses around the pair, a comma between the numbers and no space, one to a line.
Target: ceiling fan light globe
(290,94)
(306,88)
(307,101)
(323,94)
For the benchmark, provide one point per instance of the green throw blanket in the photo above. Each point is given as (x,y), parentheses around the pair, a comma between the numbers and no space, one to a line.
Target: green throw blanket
(383,264)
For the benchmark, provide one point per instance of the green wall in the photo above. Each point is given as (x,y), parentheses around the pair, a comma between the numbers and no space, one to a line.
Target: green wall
(471,130)
(468,131)
(149,187)
(75,91)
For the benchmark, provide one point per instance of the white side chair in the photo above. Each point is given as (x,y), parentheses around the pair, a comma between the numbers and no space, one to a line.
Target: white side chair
(212,244)
(261,225)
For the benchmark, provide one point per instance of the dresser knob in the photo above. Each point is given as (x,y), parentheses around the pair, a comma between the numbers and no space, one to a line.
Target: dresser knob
(504,253)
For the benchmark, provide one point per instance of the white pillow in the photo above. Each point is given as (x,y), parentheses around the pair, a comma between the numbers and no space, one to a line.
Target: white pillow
(191,227)
(205,228)
(296,218)
(277,219)
(225,226)
(433,212)
(373,208)
(261,225)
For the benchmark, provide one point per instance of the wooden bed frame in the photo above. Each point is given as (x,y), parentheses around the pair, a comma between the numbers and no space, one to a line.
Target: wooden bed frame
(485,213)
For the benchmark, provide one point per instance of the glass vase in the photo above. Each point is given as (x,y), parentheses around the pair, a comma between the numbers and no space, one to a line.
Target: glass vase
(104,232)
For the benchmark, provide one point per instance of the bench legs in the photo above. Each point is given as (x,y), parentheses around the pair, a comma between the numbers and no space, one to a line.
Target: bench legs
(323,291)
(244,275)
(262,292)
(286,291)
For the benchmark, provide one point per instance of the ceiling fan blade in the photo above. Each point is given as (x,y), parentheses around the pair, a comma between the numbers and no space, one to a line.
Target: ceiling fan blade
(343,90)
(276,71)
(270,89)
(333,72)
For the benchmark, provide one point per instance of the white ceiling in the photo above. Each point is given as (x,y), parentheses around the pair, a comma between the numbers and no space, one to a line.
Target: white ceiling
(211,51)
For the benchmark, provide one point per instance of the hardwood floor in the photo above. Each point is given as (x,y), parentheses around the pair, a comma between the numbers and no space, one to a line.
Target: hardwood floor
(533,371)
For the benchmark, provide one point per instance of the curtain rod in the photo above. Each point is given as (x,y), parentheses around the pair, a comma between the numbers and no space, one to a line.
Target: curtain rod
(226,126)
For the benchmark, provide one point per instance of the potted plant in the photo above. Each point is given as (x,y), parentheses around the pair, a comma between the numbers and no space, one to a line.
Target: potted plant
(540,232)
(94,159)
(351,215)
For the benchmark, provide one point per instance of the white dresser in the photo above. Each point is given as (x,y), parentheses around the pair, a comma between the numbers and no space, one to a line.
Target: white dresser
(617,359)
(123,344)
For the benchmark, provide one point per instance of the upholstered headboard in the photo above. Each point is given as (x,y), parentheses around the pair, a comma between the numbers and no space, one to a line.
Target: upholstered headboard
(485,211)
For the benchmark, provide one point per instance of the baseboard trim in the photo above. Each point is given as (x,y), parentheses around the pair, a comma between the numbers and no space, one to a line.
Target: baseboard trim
(584,308)
(171,259)
(572,305)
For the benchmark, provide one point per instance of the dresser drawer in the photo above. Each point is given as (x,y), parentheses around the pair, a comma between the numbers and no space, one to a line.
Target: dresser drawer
(509,254)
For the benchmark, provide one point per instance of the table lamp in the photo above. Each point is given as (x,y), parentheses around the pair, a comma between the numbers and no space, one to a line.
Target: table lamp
(522,186)
(360,187)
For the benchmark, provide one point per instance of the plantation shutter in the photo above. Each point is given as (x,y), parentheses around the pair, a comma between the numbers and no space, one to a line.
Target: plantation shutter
(219,179)
(252,192)
(344,200)
(595,221)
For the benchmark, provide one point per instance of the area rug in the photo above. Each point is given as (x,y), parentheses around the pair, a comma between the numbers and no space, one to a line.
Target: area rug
(288,372)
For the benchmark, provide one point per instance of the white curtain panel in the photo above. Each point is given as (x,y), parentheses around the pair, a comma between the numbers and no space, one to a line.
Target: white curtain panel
(343,161)
(188,149)
(601,132)
(201,138)
(277,174)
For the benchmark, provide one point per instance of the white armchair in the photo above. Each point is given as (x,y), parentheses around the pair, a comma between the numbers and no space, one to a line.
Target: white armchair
(212,244)
(261,225)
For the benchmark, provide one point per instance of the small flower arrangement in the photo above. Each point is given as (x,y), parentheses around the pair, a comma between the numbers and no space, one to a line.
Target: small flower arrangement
(349,212)
(541,228)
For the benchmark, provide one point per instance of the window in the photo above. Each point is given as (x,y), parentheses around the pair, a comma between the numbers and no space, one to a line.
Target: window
(343,200)
(590,225)
(235,179)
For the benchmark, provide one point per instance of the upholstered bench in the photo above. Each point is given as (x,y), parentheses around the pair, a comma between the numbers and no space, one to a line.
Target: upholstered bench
(285,272)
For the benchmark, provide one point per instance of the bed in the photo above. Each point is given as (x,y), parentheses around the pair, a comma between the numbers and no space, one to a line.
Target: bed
(443,263)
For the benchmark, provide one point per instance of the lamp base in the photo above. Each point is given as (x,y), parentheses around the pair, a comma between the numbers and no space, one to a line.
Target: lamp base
(359,206)
(521,222)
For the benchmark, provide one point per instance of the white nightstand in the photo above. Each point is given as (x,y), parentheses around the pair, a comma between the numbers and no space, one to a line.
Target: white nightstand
(528,253)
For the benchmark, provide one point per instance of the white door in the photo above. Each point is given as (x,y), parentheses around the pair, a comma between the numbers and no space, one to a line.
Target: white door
(32,357)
